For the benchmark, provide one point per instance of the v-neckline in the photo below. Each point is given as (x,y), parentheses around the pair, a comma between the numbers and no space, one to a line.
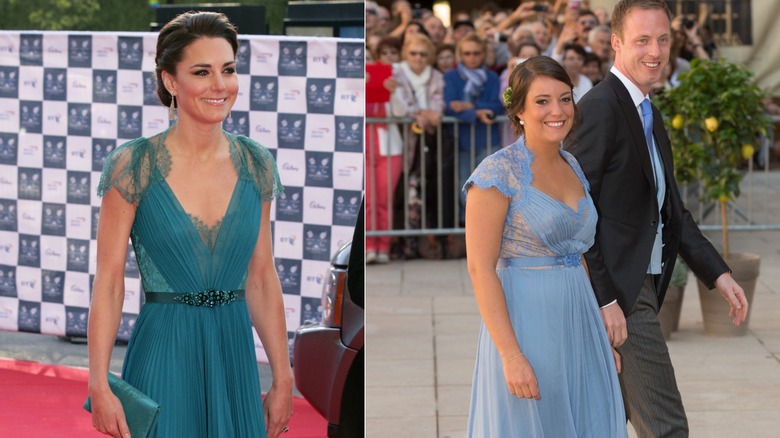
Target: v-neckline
(180,206)
(575,209)
(189,216)
(578,207)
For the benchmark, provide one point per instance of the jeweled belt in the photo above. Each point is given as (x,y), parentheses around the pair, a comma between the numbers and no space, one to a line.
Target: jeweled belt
(569,260)
(207,298)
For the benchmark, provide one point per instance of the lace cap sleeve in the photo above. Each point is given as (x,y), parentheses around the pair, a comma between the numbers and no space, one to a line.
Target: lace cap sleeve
(496,170)
(126,169)
(260,167)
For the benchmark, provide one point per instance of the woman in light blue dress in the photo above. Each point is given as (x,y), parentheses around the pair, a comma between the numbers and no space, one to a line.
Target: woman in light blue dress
(195,202)
(544,365)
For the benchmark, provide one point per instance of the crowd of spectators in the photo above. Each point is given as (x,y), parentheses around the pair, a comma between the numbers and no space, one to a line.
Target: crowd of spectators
(458,68)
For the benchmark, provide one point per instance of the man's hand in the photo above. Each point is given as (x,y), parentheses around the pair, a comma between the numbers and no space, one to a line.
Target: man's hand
(615,323)
(486,116)
(735,296)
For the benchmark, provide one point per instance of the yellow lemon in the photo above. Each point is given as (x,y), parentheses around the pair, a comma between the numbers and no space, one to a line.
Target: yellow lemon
(711,123)
(678,121)
(747,151)
(724,198)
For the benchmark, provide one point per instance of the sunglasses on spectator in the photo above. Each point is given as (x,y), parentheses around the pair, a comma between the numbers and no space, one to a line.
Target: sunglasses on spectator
(470,53)
(389,52)
(588,22)
(421,54)
(370,12)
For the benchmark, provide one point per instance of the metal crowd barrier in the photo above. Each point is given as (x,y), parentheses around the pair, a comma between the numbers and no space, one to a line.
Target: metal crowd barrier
(757,209)
(448,126)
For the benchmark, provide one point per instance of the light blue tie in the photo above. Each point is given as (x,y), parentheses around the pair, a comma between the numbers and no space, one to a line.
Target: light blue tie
(647,119)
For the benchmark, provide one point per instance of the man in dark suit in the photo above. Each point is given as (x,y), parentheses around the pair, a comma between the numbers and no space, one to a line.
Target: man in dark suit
(642,221)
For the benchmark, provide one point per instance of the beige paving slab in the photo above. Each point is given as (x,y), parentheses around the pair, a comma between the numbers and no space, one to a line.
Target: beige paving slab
(402,324)
(456,346)
(453,399)
(431,290)
(724,366)
(453,426)
(466,325)
(395,427)
(455,305)
(398,306)
(770,338)
(764,423)
(730,395)
(400,402)
(403,372)
(454,371)
(384,346)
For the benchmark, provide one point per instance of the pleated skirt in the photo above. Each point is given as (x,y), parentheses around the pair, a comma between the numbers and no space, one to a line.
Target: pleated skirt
(199,364)
(559,328)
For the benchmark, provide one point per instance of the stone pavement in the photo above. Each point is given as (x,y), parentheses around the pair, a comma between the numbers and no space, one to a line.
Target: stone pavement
(422,325)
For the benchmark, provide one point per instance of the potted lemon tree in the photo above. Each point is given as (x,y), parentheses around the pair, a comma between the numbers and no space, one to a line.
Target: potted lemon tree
(714,117)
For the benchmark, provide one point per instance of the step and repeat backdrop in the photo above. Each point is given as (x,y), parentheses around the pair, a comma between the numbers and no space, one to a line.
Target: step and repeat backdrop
(67,99)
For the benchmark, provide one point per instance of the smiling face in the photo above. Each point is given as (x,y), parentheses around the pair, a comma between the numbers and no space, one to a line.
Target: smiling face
(643,50)
(548,113)
(417,55)
(205,84)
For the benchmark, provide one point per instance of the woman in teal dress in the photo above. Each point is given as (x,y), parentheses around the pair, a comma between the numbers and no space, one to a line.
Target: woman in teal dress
(544,365)
(195,202)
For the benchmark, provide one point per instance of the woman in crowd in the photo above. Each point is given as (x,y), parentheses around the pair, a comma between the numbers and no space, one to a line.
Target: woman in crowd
(471,94)
(195,201)
(573,60)
(521,51)
(388,50)
(445,57)
(544,364)
(591,68)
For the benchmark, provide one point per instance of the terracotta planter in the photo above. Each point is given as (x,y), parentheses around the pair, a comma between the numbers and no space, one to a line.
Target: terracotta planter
(715,310)
(669,315)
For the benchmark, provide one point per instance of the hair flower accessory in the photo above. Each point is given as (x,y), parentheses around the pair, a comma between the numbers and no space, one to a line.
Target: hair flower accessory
(507,97)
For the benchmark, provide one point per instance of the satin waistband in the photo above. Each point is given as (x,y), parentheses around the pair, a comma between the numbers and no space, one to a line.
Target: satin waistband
(569,261)
(208,298)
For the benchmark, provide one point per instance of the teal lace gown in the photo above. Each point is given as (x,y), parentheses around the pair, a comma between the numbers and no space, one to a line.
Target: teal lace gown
(553,311)
(198,363)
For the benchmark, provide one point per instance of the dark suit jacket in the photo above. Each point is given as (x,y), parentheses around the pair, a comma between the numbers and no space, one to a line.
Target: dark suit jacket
(610,145)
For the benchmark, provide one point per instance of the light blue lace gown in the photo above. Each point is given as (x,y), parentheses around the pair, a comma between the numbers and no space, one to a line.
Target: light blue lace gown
(198,363)
(553,312)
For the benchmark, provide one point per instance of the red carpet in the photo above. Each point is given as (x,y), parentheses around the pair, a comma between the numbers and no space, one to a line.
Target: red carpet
(39,400)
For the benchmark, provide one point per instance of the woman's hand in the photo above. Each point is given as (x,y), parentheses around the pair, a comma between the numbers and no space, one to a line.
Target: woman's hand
(390,85)
(461,105)
(520,378)
(278,409)
(108,416)
(428,119)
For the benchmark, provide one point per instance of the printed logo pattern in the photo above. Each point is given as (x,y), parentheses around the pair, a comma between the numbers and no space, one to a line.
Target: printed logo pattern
(70,99)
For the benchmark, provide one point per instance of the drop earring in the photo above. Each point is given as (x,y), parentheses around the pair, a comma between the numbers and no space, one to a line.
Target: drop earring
(172,108)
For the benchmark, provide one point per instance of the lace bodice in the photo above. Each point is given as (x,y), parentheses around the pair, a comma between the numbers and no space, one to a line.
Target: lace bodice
(137,164)
(536,224)
(131,167)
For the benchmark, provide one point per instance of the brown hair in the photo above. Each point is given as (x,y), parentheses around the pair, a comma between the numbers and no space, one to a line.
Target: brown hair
(623,7)
(520,80)
(182,31)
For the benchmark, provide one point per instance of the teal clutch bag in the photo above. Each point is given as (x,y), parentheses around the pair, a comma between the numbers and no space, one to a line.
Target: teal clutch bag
(141,412)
